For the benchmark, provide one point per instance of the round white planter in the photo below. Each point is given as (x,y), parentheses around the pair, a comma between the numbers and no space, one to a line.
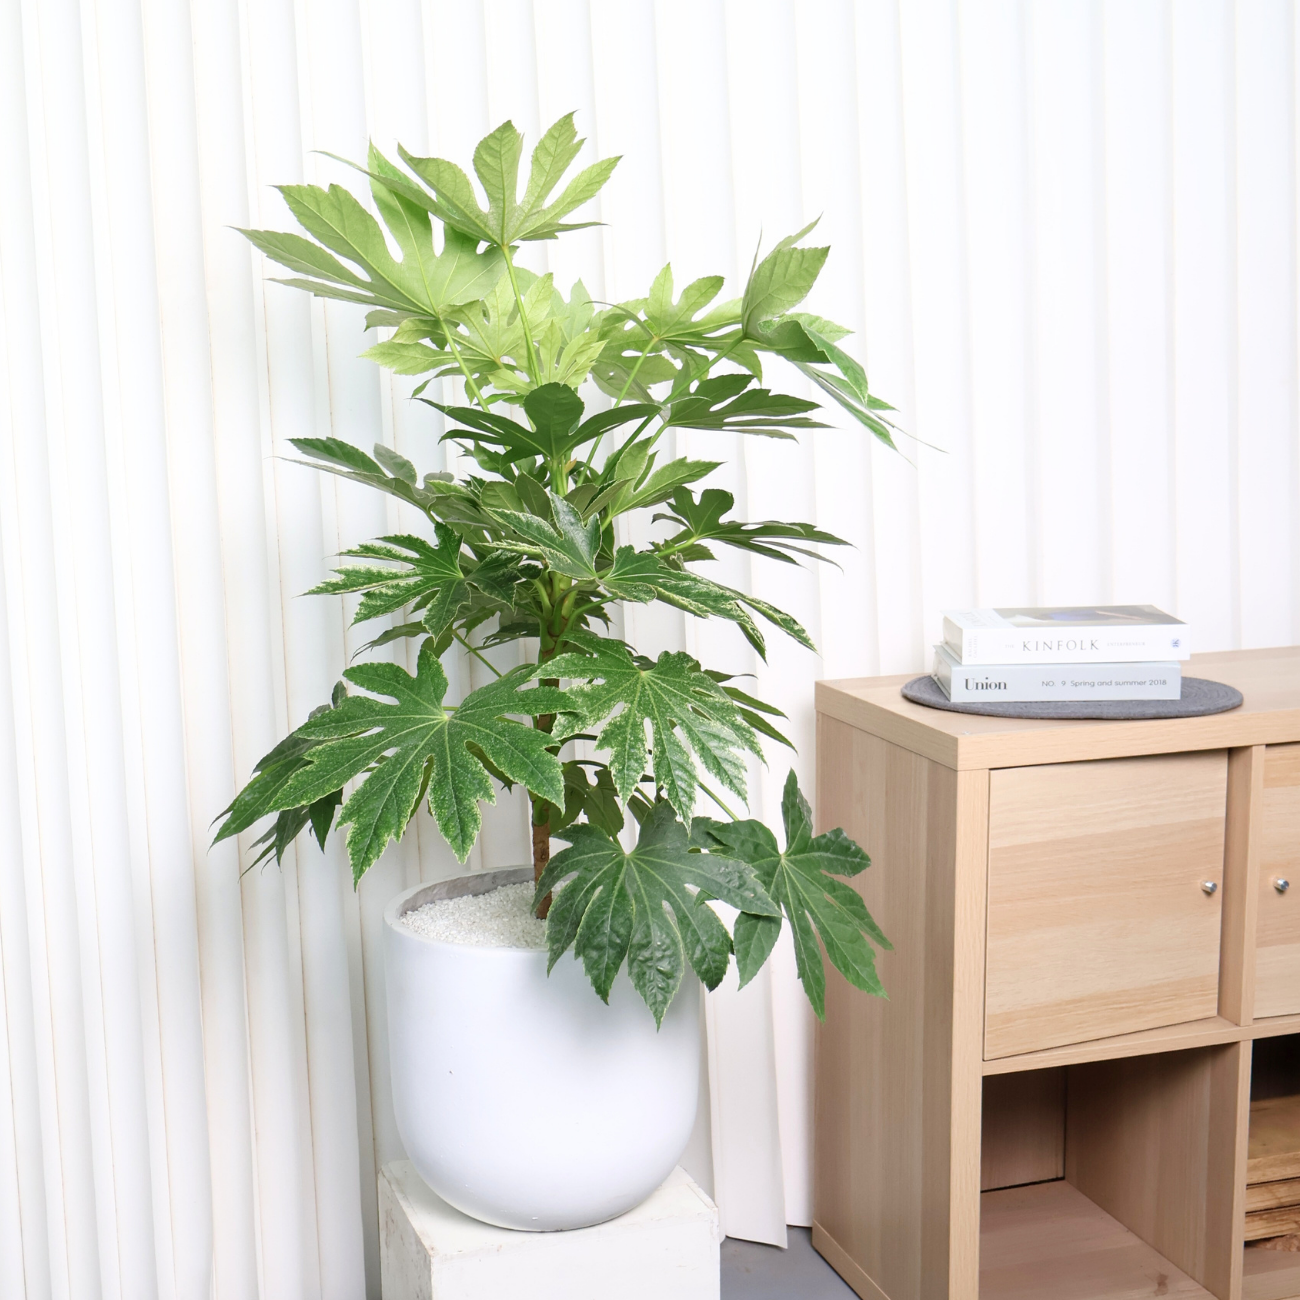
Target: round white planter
(522,1099)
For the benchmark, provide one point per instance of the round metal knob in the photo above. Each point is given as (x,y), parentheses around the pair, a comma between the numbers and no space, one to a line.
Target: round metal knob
(1209,886)
(1281,885)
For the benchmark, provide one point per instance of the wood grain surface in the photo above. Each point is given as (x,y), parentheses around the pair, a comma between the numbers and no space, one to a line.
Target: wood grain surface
(1097,920)
(1050,1242)
(897,1151)
(1153,1140)
(1277,956)
(1274,1140)
(1024,1129)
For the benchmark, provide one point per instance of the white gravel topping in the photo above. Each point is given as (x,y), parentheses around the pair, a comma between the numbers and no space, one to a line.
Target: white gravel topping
(502,918)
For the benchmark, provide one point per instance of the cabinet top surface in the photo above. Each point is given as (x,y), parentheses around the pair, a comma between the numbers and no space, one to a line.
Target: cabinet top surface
(1268,679)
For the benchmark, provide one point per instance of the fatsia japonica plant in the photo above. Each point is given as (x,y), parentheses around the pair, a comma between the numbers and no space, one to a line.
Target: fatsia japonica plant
(566,403)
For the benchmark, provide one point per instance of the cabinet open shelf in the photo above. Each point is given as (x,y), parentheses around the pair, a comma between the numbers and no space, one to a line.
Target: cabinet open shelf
(1049,1239)
(1098,1179)
(1270,1275)
(1273,1172)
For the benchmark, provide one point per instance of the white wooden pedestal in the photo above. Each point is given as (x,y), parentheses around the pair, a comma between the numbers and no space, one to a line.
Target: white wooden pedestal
(665,1249)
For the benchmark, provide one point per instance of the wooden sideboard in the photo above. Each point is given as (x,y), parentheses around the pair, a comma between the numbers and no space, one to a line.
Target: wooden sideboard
(1093,943)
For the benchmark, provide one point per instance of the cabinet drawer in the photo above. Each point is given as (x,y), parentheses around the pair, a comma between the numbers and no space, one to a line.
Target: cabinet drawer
(1097,920)
(1277,956)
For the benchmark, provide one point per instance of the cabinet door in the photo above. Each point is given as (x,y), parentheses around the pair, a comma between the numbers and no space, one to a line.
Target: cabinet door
(1277,956)
(1099,922)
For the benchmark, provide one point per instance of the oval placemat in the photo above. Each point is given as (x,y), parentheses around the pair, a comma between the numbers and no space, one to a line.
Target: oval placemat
(1199,698)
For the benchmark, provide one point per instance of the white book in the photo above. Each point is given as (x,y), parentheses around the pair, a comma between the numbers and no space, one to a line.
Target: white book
(1093,634)
(1037,683)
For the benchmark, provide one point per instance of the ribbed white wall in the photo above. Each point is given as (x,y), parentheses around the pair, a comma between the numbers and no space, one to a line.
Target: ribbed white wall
(1065,232)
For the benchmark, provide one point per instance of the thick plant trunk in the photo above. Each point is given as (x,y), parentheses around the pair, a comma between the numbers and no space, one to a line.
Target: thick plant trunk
(541,856)
(541,818)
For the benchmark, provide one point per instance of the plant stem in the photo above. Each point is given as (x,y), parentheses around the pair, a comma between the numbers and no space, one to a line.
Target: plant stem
(531,356)
(478,654)
(595,446)
(464,369)
(551,638)
(719,802)
(541,818)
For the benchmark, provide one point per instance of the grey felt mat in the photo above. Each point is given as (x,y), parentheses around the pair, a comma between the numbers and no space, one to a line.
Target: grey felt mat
(1199,698)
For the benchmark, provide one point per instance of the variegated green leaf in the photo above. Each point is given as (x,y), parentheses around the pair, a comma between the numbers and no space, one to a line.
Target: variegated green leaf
(647,907)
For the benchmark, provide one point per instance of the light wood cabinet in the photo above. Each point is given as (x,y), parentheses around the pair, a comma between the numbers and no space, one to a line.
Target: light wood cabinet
(1089,940)
(1103,898)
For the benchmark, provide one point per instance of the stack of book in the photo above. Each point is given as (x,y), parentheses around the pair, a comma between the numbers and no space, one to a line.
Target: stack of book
(1065,654)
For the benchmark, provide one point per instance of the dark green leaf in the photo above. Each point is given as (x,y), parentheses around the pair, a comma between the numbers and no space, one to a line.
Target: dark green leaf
(647,906)
(802,880)
(569,546)
(427,577)
(392,742)
(690,717)
(555,410)
(701,520)
(729,403)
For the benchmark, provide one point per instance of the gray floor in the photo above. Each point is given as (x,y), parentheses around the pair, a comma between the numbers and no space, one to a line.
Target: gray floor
(754,1272)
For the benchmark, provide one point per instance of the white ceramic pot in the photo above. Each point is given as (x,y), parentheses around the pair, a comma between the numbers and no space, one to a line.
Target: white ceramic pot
(522,1099)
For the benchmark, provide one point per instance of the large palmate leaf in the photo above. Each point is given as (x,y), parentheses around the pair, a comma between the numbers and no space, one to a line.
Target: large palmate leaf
(415,743)
(648,906)
(429,578)
(690,717)
(802,880)
(509,219)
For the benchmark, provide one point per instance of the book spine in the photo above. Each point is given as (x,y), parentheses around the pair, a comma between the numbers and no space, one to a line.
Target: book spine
(1030,684)
(996,646)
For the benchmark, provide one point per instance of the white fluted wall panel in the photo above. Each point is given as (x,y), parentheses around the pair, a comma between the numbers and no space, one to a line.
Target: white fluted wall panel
(1064,232)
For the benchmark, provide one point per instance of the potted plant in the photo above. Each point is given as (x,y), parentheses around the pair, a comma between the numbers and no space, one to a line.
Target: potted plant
(556,1088)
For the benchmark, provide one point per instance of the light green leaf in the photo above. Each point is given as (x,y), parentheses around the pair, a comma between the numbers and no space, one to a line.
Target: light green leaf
(496,162)
(455,202)
(397,466)
(408,358)
(301,255)
(557,148)
(781,280)
(585,186)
